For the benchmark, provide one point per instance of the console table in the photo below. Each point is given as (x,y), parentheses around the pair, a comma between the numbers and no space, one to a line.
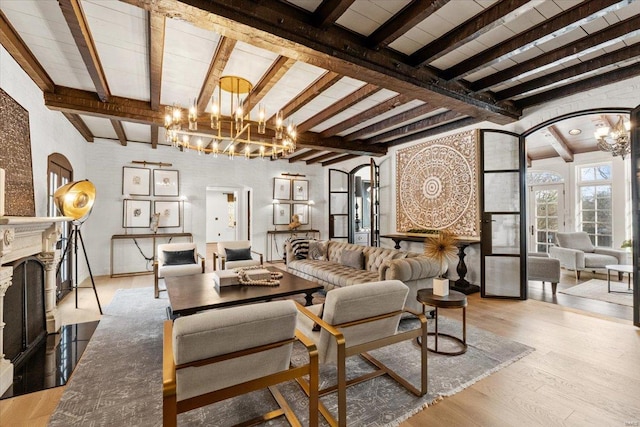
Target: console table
(153,238)
(460,285)
(271,238)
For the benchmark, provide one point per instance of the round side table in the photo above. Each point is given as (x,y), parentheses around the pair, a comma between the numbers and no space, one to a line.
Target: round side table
(455,299)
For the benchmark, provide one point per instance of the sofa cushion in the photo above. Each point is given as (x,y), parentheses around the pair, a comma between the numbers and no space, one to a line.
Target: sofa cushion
(238,254)
(179,257)
(375,257)
(598,260)
(327,272)
(352,258)
(575,240)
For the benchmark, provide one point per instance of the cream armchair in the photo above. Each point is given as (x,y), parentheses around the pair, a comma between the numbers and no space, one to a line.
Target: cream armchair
(541,267)
(576,252)
(356,319)
(214,355)
(176,259)
(234,254)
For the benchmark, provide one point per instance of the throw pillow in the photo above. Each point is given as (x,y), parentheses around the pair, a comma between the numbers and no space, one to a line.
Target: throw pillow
(352,258)
(179,257)
(300,248)
(317,250)
(238,254)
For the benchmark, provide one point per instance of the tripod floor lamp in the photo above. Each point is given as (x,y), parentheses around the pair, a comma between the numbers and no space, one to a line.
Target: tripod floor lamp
(75,200)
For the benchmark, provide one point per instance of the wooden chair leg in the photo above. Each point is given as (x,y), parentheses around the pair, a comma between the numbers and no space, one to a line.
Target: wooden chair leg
(578,274)
(554,286)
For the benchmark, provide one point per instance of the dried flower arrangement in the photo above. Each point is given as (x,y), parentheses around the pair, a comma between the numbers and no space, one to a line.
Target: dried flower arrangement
(442,247)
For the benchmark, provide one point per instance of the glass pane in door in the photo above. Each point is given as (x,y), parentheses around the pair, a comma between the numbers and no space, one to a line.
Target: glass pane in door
(545,218)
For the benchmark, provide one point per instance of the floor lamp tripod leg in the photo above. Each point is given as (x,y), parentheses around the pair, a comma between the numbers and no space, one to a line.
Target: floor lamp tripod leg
(93,283)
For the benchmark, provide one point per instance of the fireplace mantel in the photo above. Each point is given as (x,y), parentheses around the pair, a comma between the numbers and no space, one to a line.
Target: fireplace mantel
(21,237)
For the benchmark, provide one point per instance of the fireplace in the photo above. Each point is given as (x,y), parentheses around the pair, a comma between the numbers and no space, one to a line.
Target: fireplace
(34,241)
(25,323)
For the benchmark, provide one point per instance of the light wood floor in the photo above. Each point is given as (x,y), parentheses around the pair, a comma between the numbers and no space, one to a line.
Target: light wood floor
(584,370)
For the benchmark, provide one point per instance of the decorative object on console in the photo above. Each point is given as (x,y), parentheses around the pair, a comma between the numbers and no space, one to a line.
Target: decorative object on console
(295,222)
(436,185)
(16,160)
(615,140)
(228,114)
(442,247)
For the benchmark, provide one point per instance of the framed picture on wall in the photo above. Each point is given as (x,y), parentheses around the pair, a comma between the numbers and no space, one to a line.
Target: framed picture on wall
(166,182)
(281,214)
(135,181)
(300,189)
(302,210)
(281,189)
(136,213)
(169,213)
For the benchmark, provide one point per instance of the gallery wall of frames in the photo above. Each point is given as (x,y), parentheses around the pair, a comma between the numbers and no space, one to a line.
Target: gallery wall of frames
(290,197)
(151,198)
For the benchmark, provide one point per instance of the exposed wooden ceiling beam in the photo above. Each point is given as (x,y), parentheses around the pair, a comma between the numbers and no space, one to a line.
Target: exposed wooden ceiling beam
(582,46)
(122,136)
(470,30)
(156,54)
(448,127)
(285,29)
(329,11)
(218,62)
(411,15)
(414,127)
(84,102)
(339,106)
(562,22)
(16,47)
(559,144)
(582,85)
(338,145)
(375,111)
(323,82)
(391,121)
(576,70)
(80,125)
(266,83)
(342,158)
(320,158)
(77,22)
(302,156)
(154,136)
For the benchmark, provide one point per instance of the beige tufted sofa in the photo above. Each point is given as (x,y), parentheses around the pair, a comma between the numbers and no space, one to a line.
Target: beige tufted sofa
(413,269)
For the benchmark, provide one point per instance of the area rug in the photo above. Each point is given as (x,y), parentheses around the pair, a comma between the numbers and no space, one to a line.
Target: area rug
(597,289)
(118,380)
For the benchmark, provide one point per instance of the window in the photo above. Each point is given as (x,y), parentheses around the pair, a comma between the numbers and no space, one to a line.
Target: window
(594,211)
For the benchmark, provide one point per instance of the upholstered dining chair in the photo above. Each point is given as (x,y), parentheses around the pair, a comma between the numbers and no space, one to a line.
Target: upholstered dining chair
(354,320)
(214,355)
(176,259)
(576,252)
(234,254)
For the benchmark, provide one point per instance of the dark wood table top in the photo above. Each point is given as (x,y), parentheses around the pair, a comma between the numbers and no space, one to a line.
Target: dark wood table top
(455,299)
(197,292)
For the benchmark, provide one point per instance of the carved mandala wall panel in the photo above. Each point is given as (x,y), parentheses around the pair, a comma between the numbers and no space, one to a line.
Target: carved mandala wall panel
(437,185)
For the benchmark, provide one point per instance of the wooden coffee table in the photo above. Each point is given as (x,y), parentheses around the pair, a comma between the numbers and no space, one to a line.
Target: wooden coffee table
(197,292)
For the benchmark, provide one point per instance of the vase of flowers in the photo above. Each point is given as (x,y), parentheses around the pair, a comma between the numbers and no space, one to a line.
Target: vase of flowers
(441,247)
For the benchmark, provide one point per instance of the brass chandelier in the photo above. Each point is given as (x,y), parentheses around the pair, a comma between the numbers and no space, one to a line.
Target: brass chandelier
(615,140)
(230,128)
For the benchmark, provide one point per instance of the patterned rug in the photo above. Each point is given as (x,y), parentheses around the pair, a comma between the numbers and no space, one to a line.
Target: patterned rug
(597,289)
(118,380)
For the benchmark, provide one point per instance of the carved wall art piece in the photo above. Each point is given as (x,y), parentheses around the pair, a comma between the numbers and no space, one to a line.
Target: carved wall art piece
(437,185)
(16,160)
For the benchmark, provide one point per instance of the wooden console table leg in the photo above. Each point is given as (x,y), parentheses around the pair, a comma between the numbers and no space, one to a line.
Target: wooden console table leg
(462,284)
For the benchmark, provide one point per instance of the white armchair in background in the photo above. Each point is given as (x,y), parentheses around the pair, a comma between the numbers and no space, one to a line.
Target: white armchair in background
(576,252)
(234,254)
(176,259)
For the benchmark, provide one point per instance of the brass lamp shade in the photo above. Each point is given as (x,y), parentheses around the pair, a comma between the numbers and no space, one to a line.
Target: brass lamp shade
(75,199)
